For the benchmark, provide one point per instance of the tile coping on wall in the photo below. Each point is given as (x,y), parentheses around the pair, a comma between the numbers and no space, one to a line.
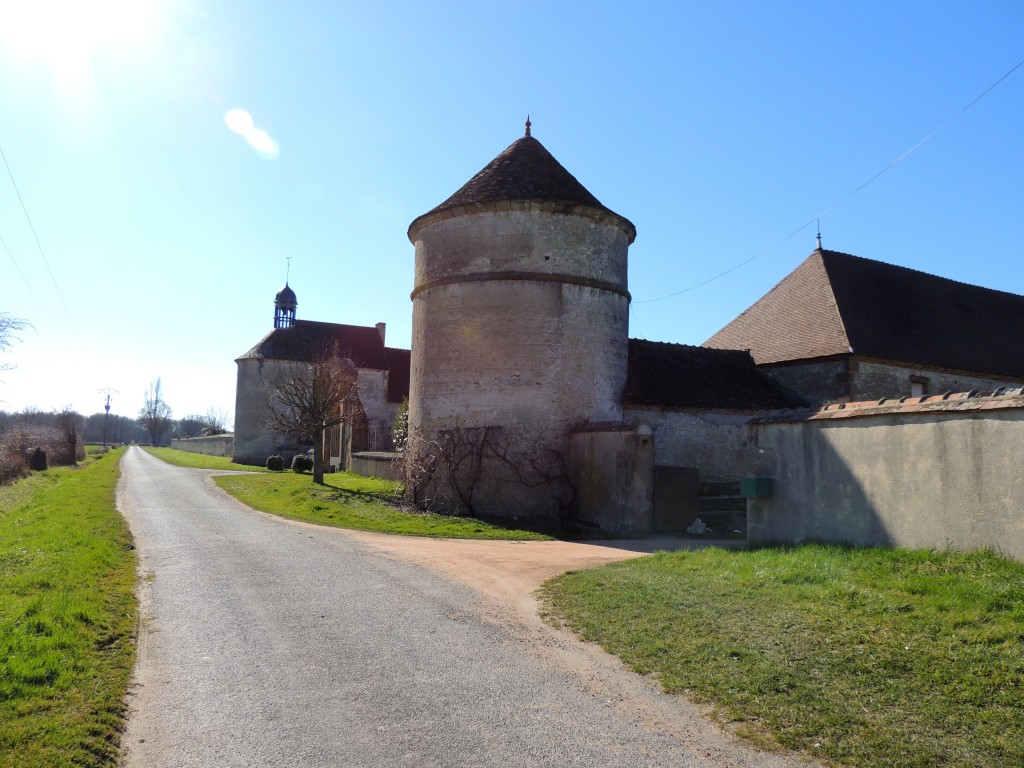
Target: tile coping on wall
(975,400)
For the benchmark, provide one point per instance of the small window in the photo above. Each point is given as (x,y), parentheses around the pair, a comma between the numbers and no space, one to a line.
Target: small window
(918,386)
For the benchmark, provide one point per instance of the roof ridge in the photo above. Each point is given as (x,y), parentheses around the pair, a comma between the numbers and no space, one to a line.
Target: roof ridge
(702,347)
(832,291)
(931,275)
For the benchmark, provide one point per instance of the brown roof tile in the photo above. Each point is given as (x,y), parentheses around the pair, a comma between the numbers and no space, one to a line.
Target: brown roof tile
(836,303)
(361,344)
(796,319)
(681,376)
(524,171)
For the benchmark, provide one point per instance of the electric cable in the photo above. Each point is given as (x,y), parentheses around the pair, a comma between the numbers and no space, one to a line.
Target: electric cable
(813,219)
(42,253)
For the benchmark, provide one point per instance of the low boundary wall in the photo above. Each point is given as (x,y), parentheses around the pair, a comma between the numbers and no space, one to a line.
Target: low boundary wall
(940,472)
(212,445)
(377,464)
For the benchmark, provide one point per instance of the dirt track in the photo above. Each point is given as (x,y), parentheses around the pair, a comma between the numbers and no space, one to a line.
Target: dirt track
(510,572)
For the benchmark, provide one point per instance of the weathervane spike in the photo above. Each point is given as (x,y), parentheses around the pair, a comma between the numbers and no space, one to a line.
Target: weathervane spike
(819,235)
(288,269)
(527,125)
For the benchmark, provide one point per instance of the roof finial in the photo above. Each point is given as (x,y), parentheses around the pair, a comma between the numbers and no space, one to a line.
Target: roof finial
(288,268)
(819,235)
(527,125)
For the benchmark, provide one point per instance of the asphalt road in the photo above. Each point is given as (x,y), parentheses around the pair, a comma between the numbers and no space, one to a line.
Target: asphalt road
(270,643)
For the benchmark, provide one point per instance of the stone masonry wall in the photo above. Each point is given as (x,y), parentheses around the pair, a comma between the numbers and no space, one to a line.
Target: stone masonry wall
(520,322)
(719,444)
(851,379)
(874,380)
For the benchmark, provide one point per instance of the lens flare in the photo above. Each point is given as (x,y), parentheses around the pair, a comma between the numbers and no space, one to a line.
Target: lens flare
(239,121)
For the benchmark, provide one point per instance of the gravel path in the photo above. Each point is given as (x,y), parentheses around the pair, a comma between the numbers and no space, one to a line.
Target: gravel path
(271,643)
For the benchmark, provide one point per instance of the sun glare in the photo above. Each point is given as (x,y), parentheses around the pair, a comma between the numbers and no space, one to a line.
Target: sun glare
(66,34)
(239,121)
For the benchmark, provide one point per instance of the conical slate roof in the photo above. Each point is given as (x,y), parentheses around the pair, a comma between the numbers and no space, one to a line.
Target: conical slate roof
(835,303)
(525,171)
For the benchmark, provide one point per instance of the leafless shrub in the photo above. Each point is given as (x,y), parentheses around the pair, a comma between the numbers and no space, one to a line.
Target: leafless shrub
(446,471)
(18,443)
(304,396)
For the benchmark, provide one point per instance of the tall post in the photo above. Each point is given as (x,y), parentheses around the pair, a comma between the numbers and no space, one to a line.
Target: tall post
(106,416)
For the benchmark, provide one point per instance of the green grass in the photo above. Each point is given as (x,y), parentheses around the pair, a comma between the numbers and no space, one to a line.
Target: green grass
(67,617)
(862,657)
(199,461)
(353,501)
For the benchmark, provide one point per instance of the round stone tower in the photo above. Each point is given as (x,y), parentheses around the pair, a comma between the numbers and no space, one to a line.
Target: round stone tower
(520,325)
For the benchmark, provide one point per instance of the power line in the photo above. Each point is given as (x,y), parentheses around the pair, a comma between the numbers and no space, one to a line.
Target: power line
(813,219)
(38,244)
(22,274)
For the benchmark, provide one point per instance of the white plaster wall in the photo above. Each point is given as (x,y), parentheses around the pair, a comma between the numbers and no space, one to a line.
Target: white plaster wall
(613,473)
(254,440)
(927,480)
(209,445)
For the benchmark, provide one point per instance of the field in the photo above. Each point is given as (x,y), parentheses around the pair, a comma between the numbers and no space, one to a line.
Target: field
(67,617)
(863,657)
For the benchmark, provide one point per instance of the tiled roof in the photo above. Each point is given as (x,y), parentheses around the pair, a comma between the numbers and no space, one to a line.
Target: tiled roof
(836,303)
(361,344)
(681,376)
(398,373)
(524,171)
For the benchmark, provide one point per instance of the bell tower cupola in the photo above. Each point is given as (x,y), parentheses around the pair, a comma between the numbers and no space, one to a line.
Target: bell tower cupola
(284,308)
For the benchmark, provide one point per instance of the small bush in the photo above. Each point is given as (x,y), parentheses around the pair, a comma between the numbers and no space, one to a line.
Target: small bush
(37,460)
(18,444)
(302,462)
(275,463)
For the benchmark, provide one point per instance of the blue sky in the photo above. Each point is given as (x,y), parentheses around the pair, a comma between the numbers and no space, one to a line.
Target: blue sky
(717,128)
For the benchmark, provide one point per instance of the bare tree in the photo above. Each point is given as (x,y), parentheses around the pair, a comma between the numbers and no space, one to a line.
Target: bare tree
(445,472)
(215,421)
(9,327)
(69,422)
(305,395)
(190,426)
(155,415)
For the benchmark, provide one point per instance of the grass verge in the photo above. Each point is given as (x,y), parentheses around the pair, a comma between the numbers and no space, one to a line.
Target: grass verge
(199,461)
(67,617)
(862,657)
(353,501)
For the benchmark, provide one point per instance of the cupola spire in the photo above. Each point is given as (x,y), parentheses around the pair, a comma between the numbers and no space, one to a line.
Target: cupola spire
(285,303)
(527,125)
